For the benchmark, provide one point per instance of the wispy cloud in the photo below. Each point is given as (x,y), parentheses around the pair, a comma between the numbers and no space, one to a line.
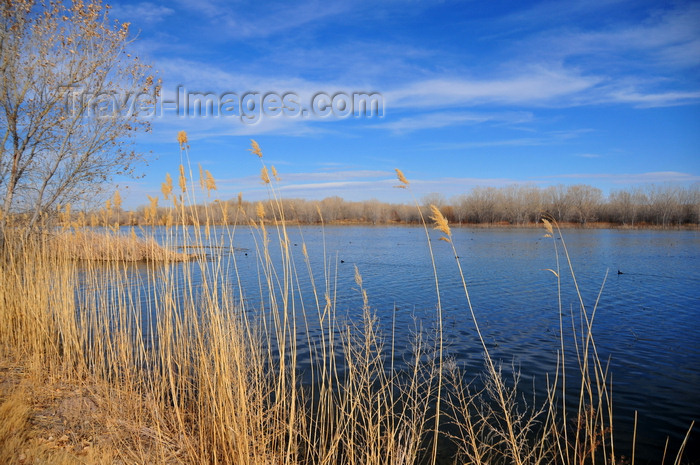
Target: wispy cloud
(351,184)
(634,178)
(289,180)
(386,190)
(336,175)
(330,186)
(437,120)
(652,99)
(545,139)
(665,37)
(144,12)
(538,86)
(647,62)
(262,20)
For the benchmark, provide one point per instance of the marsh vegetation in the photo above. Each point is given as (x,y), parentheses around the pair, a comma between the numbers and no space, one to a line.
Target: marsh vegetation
(178,364)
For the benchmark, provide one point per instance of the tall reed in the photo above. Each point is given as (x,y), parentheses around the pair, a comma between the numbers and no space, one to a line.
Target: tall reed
(193,370)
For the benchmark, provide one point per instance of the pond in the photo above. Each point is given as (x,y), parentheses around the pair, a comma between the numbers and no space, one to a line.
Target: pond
(646,284)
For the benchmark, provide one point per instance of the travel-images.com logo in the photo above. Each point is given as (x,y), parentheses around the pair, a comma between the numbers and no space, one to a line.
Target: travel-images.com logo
(248,107)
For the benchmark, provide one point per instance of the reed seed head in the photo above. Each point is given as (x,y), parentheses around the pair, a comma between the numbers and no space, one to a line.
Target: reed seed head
(183,179)
(154,202)
(209,182)
(255,148)
(117,200)
(440,221)
(402,178)
(264,175)
(260,210)
(547,225)
(167,187)
(152,209)
(182,139)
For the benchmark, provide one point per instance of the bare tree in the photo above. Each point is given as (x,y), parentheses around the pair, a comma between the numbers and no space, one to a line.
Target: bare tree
(461,208)
(692,205)
(664,204)
(71,97)
(374,211)
(556,202)
(624,206)
(433,198)
(517,203)
(483,203)
(583,200)
(332,208)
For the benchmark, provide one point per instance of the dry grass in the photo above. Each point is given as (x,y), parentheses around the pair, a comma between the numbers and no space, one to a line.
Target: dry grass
(89,245)
(205,378)
(50,423)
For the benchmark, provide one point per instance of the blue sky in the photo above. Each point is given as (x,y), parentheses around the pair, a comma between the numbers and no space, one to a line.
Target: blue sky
(474,93)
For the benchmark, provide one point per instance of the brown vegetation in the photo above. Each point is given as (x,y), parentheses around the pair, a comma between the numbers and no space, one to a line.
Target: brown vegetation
(196,374)
(667,206)
(90,245)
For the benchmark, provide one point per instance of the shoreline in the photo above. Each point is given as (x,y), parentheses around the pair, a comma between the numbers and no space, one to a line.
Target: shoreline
(500,225)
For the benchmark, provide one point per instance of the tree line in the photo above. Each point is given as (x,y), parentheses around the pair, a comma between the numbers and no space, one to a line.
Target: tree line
(663,206)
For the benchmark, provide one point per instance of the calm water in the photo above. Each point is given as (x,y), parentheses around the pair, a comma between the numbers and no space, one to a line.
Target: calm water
(646,324)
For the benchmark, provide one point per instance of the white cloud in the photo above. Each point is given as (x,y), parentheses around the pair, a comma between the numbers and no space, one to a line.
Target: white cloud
(233,20)
(666,35)
(540,86)
(329,186)
(634,178)
(652,99)
(647,62)
(437,120)
(545,139)
(336,175)
(144,12)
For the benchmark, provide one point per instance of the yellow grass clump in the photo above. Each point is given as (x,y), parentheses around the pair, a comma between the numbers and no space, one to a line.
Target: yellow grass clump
(90,245)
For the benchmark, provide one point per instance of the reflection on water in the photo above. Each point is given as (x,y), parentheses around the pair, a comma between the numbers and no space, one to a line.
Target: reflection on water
(646,322)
